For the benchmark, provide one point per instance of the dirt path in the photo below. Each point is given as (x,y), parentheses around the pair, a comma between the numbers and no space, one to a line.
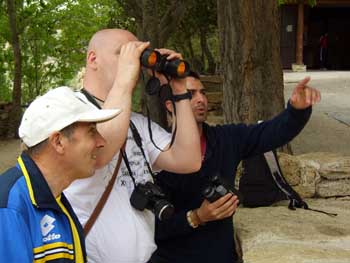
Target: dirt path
(9,151)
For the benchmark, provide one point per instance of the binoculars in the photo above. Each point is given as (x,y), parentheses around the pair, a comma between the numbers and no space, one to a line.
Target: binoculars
(217,188)
(176,68)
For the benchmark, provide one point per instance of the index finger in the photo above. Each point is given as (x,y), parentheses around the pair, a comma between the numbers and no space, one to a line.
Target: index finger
(221,201)
(141,46)
(171,53)
(302,83)
(131,45)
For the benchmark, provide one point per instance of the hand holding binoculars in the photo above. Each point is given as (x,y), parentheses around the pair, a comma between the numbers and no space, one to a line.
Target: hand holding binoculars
(176,68)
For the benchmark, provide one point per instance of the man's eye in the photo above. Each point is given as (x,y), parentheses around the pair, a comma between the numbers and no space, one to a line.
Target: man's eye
(93,130)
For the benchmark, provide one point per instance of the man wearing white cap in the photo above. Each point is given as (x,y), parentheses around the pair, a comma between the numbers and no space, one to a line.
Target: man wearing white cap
(37,222)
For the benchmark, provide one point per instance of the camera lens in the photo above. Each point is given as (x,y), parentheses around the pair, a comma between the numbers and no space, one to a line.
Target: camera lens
(163,209)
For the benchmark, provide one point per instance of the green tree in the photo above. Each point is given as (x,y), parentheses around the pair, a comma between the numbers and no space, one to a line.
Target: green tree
(155,21)
(15,112)
(51,40)
(196,35)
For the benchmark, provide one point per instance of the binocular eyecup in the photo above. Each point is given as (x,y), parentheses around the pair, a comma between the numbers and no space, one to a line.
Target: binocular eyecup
(176,68)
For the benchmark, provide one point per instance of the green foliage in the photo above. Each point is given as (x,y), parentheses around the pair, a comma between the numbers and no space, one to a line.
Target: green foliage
(312,3)
(200,17)
(53,36)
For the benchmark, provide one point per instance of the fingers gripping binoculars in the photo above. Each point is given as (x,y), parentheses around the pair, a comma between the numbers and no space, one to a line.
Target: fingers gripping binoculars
(176,68)
(217,188)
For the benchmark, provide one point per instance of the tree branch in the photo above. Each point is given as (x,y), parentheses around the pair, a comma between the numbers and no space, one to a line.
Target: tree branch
(171,19)
(132,8)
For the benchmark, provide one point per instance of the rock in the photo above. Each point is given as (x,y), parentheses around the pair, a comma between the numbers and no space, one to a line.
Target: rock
(328,188)
(290,166)
(277,234)
(336,169)
(317,174)
(332,166)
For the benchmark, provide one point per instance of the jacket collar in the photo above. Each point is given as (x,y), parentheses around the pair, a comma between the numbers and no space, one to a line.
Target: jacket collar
(40,193)
(209,134)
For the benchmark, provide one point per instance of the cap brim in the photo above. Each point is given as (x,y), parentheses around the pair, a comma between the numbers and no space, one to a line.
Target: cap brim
(99,115)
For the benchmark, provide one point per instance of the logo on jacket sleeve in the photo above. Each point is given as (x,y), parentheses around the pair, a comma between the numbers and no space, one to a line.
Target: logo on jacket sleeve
(47,225)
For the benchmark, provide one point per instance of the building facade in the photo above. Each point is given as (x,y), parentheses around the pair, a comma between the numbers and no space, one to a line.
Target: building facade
(302,27)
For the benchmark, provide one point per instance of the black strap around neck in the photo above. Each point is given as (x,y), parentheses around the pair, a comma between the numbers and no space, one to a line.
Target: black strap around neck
(138,141)
(91,98)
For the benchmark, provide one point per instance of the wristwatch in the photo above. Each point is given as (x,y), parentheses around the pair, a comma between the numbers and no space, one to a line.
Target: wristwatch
(189,219)
(184,96)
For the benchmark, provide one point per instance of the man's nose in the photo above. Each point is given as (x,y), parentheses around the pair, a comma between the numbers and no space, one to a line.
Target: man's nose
(100,141)
(199,97)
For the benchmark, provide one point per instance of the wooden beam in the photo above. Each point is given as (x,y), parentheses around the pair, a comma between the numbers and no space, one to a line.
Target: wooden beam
(300,31)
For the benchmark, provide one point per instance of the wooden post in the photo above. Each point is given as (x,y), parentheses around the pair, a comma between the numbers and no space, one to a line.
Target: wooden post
(299,65)
(300,31)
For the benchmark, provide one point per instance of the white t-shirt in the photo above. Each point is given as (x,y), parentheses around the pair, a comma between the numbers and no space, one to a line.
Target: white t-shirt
(121,233)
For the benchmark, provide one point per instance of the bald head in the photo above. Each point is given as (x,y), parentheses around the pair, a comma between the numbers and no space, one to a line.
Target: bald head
(102,60)
(110,38)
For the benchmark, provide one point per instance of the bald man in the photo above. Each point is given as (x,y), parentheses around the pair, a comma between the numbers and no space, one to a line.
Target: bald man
(122,233)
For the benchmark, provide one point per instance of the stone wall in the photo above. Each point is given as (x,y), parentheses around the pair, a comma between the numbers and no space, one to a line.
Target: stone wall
(317,174)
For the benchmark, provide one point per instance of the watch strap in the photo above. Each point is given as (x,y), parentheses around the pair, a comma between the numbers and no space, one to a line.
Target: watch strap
(184,96)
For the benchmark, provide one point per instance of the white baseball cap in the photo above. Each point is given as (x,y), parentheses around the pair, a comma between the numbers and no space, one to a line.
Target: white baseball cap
(56,110)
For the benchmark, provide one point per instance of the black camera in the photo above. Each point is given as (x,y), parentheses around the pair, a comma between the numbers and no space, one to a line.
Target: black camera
(217,188)
(151,197)
(175,68)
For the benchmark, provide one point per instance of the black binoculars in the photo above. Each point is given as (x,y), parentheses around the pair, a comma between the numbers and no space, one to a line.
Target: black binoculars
(176,68)
(217,188)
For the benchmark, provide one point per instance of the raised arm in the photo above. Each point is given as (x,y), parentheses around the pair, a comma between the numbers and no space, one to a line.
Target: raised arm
(184,156)
(120,96)
(269,135)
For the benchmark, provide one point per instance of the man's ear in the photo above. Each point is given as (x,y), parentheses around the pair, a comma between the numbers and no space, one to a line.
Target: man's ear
(57,142)
(169,106)
(91,59)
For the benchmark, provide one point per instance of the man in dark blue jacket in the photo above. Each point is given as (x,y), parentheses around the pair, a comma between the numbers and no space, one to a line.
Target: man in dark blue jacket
(201,231)
(37,224)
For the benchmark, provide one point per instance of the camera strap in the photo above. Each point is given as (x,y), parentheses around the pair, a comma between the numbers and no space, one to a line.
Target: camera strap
(135,134)
(138,141)
(127,164)
(174,129)
(104,197)
(92,98)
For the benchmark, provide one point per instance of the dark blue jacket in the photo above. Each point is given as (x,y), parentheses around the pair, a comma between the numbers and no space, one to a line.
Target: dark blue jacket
(33,226)
(227,145)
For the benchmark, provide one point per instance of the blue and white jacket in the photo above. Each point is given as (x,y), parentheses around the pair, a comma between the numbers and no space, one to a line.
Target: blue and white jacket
(34,225)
